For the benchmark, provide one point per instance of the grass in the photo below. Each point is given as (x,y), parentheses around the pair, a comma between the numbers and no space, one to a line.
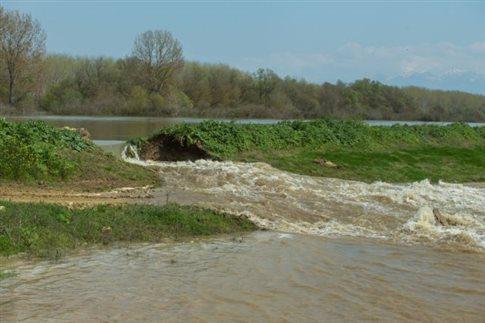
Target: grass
(98,170)
(451,164)
(35,152)
(47,230)
(401,153)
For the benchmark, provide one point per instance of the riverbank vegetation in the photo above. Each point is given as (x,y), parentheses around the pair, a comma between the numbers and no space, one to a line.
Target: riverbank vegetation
(48,230)
(155,80)
(334,148)
(37,153)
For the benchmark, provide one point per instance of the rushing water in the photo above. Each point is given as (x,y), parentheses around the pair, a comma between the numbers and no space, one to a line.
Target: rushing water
(289,202)
(260,277)
(350,251)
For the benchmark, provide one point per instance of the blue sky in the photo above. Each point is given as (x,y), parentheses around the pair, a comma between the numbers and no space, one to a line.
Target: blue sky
(393,41)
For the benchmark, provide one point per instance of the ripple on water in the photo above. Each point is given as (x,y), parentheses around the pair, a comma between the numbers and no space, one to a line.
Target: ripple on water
(263,276)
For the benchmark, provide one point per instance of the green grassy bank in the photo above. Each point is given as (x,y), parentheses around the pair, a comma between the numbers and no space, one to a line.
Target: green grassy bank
(47,230)
(358,151)
(35,152)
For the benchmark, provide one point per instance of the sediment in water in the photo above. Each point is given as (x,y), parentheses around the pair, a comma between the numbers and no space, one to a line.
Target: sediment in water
(278,200)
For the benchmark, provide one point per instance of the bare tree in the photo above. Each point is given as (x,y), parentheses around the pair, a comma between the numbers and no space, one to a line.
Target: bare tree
(22,46)
(160,57)
(2,20)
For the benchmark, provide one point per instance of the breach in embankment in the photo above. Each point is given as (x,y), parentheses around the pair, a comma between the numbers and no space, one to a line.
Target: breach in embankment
(331,148)
(429,209)
(40,163)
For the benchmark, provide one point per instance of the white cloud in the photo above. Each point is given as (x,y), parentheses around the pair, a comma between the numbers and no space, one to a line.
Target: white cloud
(354,60)
(478,47)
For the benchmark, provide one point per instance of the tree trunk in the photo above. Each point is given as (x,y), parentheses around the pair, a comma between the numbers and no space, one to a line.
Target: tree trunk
(10,92)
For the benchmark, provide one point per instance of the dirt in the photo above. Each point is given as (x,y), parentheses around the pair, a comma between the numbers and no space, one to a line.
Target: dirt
(169,148)
(71,197)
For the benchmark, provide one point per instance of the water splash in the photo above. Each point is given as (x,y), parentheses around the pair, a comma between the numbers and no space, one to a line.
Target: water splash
(288,202)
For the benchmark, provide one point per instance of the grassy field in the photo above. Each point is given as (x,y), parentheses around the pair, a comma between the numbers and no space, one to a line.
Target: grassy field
(401,153)
(47,230)
(451,164)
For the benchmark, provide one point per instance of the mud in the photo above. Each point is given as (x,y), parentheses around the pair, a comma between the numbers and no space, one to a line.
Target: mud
(169,148)
(20,193)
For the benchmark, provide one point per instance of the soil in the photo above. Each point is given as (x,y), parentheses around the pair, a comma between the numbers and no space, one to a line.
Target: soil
(168,148)
(71,197)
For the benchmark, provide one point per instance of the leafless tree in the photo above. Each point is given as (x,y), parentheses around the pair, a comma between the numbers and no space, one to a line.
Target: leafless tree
(2,20)
(22,45)
(160,57)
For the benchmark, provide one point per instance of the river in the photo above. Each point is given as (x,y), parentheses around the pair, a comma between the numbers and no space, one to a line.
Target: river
(338,250)
(110,132)
(115,128)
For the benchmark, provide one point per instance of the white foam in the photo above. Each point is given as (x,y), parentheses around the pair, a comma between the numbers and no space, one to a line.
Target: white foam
(283,201)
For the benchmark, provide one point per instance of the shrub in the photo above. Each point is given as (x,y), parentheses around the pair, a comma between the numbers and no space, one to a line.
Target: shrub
(34,150)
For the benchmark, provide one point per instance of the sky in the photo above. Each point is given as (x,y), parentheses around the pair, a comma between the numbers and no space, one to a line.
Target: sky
(438,44)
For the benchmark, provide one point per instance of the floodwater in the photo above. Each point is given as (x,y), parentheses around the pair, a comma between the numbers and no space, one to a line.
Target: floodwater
(283,201)
(338,250)
(264,276)
(123,128)
(111,132)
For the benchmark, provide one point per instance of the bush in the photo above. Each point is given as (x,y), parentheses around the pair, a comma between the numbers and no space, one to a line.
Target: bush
(34,150)
(31,161)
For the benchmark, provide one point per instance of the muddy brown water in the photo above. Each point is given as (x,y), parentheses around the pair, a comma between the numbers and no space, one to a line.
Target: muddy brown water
(337,251)
(264,276)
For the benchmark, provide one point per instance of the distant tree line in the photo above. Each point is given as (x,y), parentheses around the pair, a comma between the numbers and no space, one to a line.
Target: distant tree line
(155,80)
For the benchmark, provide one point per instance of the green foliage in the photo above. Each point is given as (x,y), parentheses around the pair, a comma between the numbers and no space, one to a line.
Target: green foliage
(49,230)
(138,98)
(20,160)
(223,140)
(96,86)
(39,131)
(35,150)
(155,80)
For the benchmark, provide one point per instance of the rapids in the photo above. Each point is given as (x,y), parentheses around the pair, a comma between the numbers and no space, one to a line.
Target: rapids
(282,201)
(354,252)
